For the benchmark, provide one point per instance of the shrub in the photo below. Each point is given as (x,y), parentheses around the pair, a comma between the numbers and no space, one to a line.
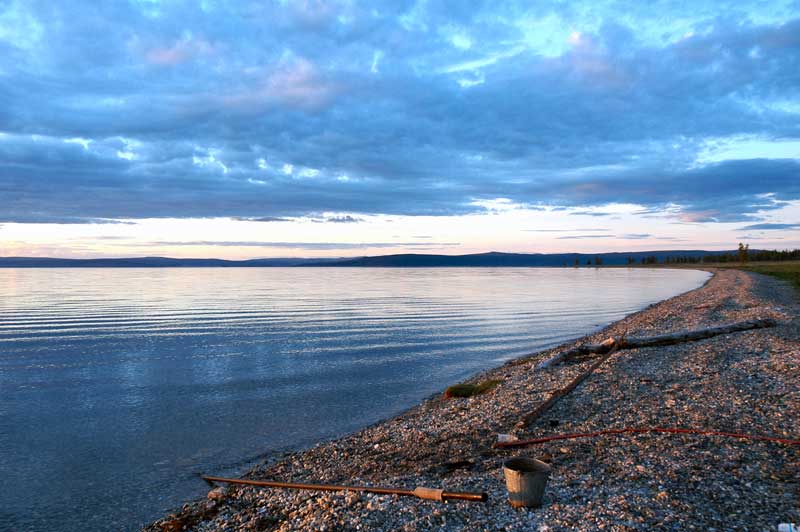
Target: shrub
(469,390)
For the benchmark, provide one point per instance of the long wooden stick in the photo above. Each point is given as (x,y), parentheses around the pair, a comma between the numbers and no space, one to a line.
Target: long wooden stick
(652,341)
(420,492)
(646,430)
(558,394)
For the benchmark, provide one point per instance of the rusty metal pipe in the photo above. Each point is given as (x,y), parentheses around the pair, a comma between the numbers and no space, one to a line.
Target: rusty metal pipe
(419,492)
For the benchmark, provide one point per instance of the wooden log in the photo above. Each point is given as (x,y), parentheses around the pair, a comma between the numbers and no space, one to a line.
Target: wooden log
(696,334)
(653,341)
(586,349)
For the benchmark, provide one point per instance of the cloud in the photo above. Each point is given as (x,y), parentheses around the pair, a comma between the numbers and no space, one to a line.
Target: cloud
(297,83)
(727,191)
(39,218)
(756,237)
(769,227)
(635,236)
(347,219)
(579,237)
(584,229)
(194,112)
(263,219)
(178,52)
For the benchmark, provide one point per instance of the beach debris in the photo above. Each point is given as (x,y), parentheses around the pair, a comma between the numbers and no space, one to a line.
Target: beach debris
(653,341)
(420,492)
(505,438)
(216,494)
(526,479)
(603,347)
(470,390)
(695,334)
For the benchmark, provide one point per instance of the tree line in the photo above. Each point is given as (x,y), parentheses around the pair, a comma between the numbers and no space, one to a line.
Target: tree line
(742,254)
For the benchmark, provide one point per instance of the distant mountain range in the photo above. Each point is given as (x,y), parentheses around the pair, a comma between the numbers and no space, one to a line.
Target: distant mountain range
(154,262)
(409,260)
(495,259)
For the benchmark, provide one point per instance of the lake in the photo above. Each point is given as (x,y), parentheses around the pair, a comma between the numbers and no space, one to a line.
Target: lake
(120,386)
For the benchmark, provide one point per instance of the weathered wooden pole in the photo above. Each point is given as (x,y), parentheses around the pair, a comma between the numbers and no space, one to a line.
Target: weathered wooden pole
(419,492)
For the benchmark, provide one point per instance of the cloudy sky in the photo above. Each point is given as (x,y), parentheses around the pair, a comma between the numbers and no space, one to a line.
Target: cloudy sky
(334,128)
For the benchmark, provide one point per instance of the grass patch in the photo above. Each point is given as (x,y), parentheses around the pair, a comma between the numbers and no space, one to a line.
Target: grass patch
(788,272)
(470,390)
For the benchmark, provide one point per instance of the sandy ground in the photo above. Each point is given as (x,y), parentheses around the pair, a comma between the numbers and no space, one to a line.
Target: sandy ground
(743,382)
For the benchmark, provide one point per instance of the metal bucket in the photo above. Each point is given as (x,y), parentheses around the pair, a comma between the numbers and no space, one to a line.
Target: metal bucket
(526,479)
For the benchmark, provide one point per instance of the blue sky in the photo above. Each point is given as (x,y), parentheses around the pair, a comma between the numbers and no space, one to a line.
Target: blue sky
(250,129)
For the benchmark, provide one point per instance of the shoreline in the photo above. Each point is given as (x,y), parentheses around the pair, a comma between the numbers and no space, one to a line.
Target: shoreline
(447,443)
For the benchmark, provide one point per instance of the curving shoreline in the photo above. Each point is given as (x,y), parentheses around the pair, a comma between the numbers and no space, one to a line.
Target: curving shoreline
(618,483)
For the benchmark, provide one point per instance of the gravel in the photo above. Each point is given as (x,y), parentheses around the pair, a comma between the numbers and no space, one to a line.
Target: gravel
(743,382)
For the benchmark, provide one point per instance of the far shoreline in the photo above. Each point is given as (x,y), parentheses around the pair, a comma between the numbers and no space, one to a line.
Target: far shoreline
(404,260)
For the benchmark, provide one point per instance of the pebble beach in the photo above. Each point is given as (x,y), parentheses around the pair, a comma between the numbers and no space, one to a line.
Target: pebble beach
(745,382)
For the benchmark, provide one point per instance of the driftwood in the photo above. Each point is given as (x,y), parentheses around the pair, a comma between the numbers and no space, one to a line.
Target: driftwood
(696,334)
(652,341)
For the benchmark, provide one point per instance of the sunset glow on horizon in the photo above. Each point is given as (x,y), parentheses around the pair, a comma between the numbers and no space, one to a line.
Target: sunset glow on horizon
(335,128)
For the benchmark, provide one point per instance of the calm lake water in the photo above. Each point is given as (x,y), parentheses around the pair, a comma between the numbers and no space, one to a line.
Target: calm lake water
(120,386)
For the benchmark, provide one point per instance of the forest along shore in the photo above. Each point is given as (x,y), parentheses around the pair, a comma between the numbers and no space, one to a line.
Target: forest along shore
(744,382)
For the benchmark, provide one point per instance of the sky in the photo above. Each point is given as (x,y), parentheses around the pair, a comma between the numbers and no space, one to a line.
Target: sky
(341,128)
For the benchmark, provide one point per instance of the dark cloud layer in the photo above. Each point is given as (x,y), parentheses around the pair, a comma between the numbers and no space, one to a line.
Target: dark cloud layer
(263,219)
(347,219)
(769,227)
(268,111)
(590,213)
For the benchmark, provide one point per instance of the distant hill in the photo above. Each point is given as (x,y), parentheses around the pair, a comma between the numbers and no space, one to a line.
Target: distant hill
(496,259)
(410,260)
(153,262)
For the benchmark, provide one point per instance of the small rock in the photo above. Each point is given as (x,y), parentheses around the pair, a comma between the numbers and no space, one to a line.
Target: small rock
(217,494)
